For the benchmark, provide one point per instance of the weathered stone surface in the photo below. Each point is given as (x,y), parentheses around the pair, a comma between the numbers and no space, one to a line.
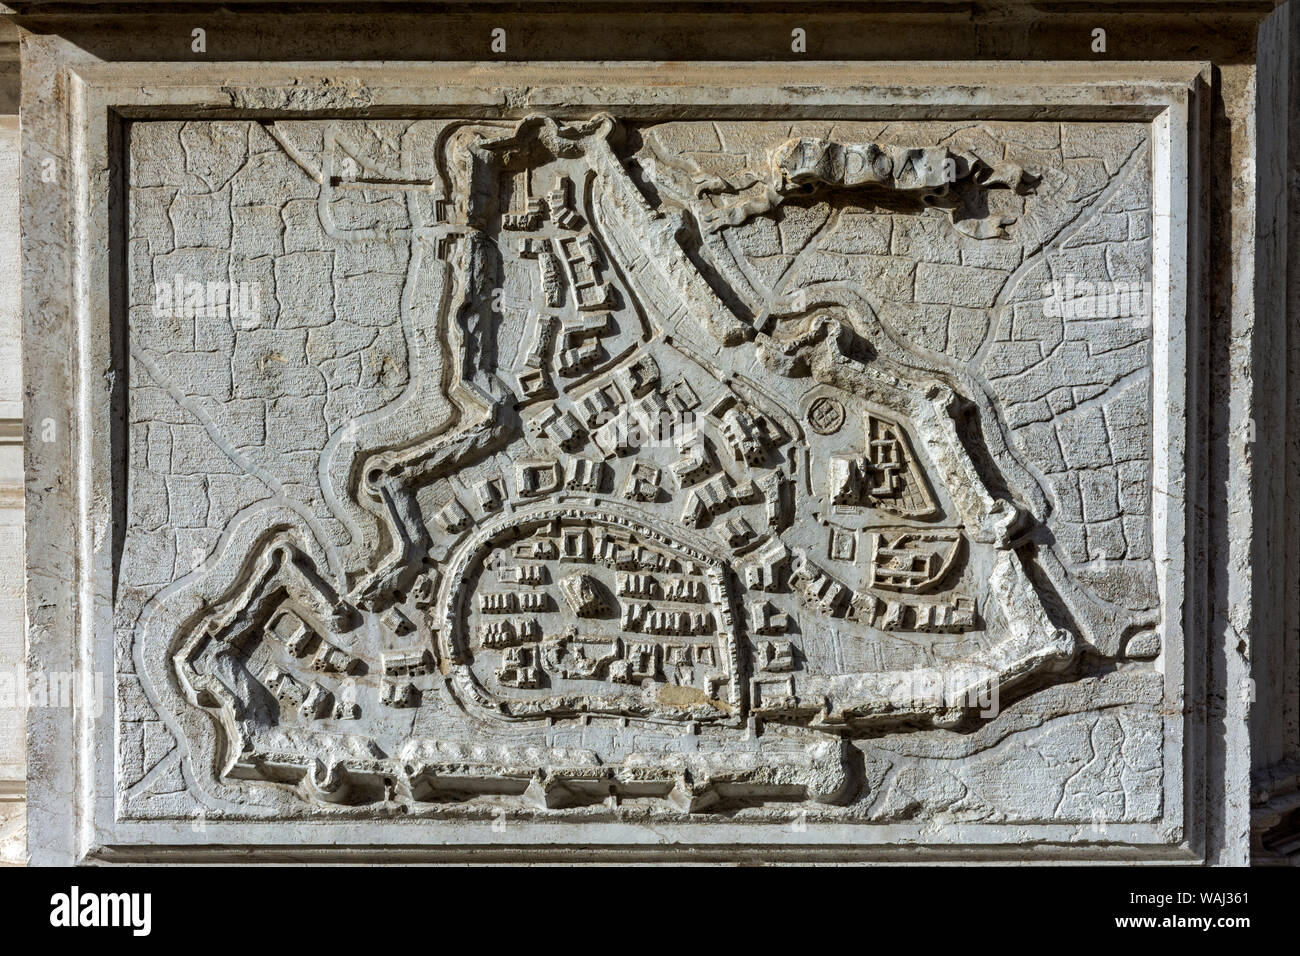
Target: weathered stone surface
(481,492)
(648,477)
(12,670)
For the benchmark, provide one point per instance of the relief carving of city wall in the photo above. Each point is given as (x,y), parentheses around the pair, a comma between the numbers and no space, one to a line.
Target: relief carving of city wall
(580,466)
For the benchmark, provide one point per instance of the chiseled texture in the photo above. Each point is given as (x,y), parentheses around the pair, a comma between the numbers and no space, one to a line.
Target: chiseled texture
(402,536)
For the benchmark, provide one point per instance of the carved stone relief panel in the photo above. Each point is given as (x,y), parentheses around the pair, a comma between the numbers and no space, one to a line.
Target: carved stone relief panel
(619,469)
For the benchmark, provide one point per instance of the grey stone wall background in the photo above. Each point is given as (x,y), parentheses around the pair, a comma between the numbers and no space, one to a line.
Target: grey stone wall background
(1275,657)
(1249,560)
(13,744)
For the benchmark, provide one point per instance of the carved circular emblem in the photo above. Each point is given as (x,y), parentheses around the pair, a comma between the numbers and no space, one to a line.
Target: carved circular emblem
(826,415)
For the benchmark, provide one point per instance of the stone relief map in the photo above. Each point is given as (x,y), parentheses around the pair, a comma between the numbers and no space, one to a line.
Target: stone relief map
(608,469)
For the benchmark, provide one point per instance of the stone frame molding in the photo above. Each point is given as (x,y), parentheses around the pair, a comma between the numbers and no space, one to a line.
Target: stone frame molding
(75,109)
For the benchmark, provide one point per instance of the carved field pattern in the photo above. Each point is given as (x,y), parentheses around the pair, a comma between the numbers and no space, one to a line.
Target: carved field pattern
(389,553)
